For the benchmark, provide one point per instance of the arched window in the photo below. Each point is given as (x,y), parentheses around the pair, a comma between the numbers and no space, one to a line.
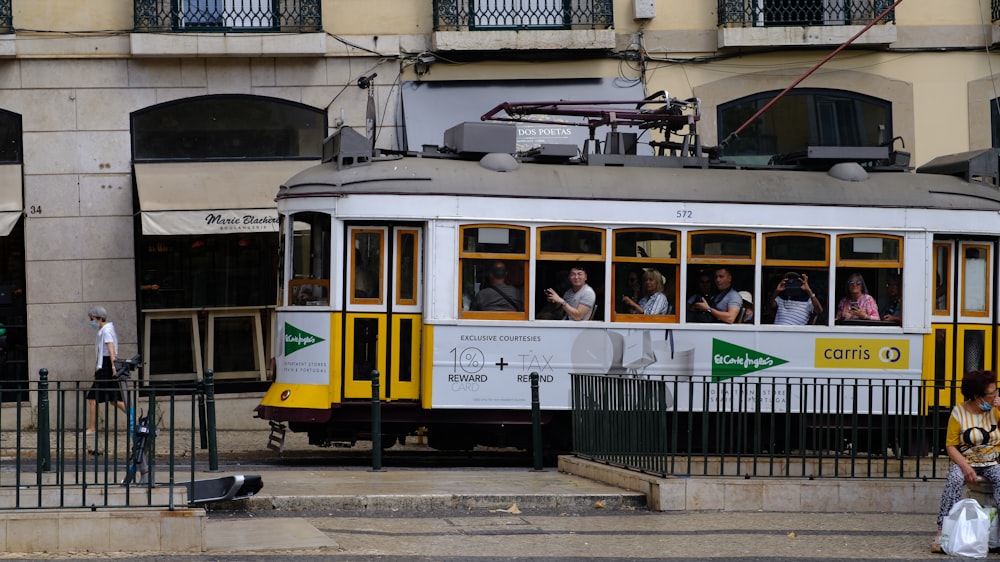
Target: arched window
(228,127)
(802,118)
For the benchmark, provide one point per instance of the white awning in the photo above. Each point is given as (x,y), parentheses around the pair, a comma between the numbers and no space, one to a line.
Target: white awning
(212,197)
(11,204)
(230,221)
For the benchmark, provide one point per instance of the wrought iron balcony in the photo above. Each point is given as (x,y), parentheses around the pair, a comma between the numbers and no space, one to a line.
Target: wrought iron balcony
(995,11)
(6,20)
(292,16)
(478,15)
(787,13)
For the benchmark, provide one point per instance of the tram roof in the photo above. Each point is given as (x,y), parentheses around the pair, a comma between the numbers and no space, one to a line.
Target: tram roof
(423,175)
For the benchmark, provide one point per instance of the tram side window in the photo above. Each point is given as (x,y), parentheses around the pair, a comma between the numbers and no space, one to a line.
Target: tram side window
(493,272)
(644,275)
(869,276)
(720,267)
(309,284)
(570,261)
(942,277)
(796,278)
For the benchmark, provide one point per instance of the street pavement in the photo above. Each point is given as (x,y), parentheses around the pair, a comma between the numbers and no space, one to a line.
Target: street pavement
(311,512)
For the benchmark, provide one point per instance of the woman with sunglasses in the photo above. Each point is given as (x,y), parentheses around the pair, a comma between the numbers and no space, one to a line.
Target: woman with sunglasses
(857,304)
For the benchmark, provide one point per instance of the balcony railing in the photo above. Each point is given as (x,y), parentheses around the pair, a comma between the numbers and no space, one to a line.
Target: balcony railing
(291,16)
(995,11)
(6,19)
(478,15)
(785,13)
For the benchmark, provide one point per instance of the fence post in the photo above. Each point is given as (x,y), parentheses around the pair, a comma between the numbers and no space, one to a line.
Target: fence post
(376,423)
(44,452)
(536,422)
(202,421)
(213,449)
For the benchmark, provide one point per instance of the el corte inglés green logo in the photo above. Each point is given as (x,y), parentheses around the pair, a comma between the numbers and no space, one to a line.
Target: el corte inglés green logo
(731,360)
(296,339)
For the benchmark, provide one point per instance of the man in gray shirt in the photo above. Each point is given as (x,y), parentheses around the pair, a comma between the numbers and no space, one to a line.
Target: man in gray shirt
(579,300)
(498,296)
(725,305)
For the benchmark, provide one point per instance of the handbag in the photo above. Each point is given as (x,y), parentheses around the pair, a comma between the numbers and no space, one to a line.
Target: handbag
(965,530)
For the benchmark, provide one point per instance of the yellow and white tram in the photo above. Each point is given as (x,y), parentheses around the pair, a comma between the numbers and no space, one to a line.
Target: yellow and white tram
(382,255)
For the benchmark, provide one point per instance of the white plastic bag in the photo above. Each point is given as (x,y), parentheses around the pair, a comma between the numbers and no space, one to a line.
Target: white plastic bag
(966,530)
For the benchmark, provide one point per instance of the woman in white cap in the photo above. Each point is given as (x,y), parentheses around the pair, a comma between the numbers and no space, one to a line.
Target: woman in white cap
(105,387)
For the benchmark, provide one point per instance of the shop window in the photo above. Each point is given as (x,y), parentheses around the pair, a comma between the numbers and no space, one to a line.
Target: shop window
(493,265)
(224,270)
(639,257)
(803,118)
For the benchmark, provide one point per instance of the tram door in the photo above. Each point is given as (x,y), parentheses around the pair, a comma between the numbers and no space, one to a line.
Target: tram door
(382,328)
(962,335)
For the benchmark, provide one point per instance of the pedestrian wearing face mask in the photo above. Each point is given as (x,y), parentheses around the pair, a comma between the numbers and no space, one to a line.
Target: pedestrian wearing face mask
(972,442)
(105,387)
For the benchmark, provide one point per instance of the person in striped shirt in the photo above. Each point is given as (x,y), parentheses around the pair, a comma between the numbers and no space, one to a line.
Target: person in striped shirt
(794,301)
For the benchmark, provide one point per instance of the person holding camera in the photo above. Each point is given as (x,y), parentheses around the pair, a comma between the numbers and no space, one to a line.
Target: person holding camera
(857,304)
(794,301)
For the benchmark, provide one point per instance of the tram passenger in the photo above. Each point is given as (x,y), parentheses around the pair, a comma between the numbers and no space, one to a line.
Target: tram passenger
(725,305)
(653,301)
(579,300)
(498,295)
(704,290)
(793,300)
(972,442)
(891,308)
(635,291)
(747,307)
(857,304)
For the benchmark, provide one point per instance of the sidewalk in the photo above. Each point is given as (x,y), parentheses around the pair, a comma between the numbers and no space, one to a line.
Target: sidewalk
(307,506)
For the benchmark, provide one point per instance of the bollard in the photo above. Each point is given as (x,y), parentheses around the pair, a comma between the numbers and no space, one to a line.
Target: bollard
(202,422)
(536,422)
(44,452)
(213,449)
(376,423)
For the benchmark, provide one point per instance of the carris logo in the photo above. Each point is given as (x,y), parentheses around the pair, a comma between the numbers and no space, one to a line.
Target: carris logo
(889,354)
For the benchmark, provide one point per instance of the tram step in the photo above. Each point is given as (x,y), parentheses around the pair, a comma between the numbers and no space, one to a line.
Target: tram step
(276,441)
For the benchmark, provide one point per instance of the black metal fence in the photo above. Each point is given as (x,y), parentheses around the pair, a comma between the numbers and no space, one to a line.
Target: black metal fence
(995,10)
(50,460)
(761,426)
(753,13)
(292,16)
(462,15)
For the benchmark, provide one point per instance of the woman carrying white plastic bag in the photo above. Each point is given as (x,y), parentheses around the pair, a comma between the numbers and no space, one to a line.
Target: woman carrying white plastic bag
(972,442)
(966,530)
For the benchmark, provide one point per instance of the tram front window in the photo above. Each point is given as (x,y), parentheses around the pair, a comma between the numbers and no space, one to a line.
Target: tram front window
(309,284)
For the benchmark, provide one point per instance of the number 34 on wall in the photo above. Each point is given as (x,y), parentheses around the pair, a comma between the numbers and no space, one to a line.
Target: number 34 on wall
(34,209)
